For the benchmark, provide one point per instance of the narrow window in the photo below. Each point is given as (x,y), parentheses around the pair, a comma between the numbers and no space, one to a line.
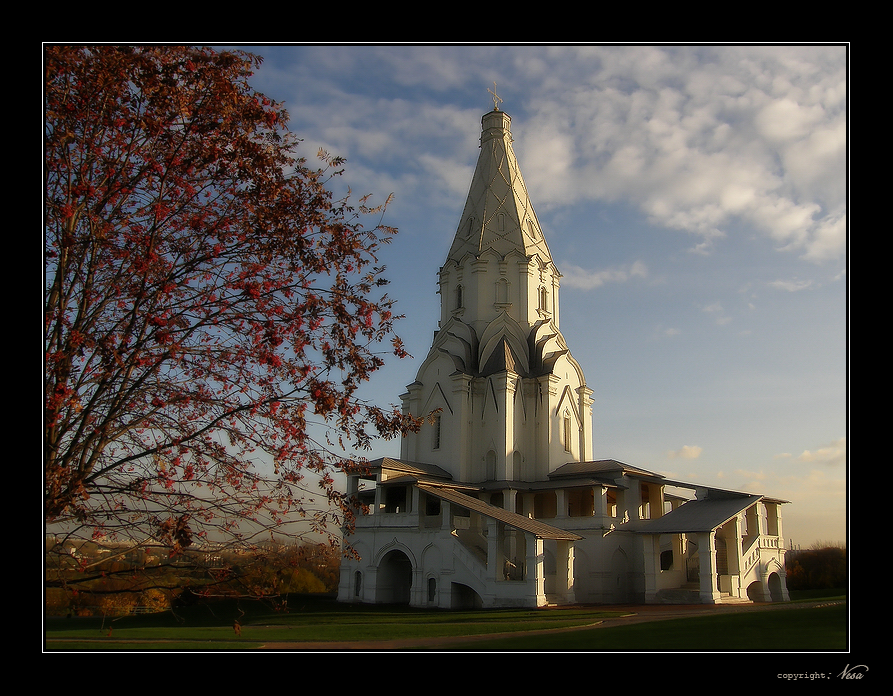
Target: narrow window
(436,442)
(458,297)
(567,432)
(502,291)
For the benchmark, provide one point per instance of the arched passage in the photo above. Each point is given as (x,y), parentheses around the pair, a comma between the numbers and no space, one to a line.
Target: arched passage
(463,597)
(775,588)
(394,580)
(755,592)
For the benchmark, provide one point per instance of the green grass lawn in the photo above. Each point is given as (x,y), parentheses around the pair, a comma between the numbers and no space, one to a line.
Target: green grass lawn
(308,620)
(211,627)
(820,628)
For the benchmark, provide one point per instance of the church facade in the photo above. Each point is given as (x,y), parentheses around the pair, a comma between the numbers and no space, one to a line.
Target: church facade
(497,501)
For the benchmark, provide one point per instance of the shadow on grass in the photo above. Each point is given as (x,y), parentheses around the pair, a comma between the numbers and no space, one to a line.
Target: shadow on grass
(787,629)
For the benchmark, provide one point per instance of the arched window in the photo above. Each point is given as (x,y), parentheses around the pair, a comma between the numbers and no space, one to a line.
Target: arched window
(432,589)
(459,304)
(491,465)
(502,291)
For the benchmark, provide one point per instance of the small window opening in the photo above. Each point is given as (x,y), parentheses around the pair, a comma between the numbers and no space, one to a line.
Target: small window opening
(567,432)
(436,441)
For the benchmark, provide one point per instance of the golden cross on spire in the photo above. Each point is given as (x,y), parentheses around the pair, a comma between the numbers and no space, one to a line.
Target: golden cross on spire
(496,98)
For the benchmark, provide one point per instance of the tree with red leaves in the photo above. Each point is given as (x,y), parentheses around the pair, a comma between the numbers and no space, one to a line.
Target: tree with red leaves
(207,300)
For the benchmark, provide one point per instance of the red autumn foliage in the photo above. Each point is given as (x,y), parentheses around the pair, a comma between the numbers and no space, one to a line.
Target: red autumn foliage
(206,298)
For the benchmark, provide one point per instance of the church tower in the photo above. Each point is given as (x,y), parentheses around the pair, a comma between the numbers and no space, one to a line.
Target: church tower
(512,403)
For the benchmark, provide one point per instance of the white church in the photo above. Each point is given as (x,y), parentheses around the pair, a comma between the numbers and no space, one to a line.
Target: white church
(497,501)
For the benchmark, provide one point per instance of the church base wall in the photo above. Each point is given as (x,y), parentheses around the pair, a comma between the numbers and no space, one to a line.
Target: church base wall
(428,569)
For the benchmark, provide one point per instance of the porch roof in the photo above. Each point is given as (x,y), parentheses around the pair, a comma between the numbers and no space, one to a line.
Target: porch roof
(513,519)
(699,515)
(602,467)
(411,468)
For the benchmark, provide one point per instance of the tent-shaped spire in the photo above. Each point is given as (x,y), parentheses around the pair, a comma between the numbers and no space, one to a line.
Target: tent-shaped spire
(498,214)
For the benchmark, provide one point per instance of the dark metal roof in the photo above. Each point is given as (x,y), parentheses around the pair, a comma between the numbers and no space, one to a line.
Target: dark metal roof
(411,468)
(601,466)
(699,515)
(525,524)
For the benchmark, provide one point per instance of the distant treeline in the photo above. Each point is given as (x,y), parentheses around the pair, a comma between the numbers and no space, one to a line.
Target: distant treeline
(87,579)
(816,568)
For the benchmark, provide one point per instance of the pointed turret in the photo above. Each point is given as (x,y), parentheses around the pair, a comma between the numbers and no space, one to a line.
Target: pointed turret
(498,214)
(499,260)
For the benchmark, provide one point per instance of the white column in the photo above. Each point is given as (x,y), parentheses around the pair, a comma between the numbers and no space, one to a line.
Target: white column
(735,558)
(651,552)
(446,520)
(536,569)
(565,580)
(509,500)
(632,500)
(494,568)
(600,504)
(585,407)
(561,503)
(462,418)
(707,567)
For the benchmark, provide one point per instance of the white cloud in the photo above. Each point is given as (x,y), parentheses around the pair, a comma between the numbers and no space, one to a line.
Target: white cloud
(786,119)
(700,139)
(686,452)
(718,313)
(791,285)
(707,140)
(832,454)
(577,277)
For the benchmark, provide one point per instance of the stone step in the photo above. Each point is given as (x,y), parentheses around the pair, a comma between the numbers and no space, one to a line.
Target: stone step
(678,595)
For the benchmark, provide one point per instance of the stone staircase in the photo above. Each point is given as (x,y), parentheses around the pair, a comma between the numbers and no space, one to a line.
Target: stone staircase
(689,593)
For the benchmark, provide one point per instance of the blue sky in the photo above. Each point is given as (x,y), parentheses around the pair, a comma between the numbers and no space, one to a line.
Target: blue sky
(694,199)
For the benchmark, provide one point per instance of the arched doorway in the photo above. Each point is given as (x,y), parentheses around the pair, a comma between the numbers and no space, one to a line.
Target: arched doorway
(394,580)
(775,590)
(620,592)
